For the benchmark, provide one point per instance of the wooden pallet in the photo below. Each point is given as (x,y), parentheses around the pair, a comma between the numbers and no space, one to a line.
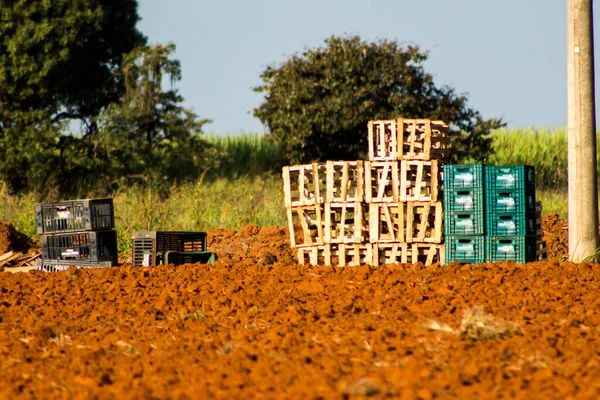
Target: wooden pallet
(419,180)
(407,253)
(424,222)
(349,255)
(305,224)
(383,140)
(304,185)
(345,181)
(346,223)
(423,139)
(381,181)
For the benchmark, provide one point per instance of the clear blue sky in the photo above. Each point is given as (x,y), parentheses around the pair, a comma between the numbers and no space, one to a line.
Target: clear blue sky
(508,56)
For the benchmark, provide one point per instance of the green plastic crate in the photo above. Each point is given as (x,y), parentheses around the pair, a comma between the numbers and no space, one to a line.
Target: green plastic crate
(465,199)
(190,257)
(510,200)
(461,176)
(509,177)
(465,249)
(519,249)
(510,224)
(464,223)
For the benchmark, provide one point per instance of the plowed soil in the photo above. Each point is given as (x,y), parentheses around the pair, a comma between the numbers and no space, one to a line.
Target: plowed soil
(257,325)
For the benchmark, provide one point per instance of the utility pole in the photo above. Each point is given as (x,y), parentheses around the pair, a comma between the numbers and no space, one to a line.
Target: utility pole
(582,173)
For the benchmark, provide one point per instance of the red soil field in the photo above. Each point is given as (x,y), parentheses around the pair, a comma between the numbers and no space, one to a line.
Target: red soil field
(257,325)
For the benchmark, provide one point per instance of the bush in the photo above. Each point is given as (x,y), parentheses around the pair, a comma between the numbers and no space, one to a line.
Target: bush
(317,105)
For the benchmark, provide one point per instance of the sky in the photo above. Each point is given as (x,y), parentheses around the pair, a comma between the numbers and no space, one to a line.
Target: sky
(507,56)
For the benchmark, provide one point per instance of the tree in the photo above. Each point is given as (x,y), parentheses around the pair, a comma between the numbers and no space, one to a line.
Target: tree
(149,134)
(317,105)
(58,63)
(61,56)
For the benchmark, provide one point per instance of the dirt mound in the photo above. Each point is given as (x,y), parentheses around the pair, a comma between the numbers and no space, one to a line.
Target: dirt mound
(556,235)
(11,239)
(262,246)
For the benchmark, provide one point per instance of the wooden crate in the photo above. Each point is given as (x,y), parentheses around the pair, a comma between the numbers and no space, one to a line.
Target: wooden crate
(341,255)
(315,255)
(423,139)
(305,224)
(383,140)
(346,223)
(387,222)
(541,250)
(428,254)
(424,222)
(407,253)
(345,181)
(381,181)
(419,180)
(304,185)
(390,253)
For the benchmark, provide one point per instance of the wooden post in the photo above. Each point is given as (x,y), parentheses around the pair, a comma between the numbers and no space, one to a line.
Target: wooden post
(582,163)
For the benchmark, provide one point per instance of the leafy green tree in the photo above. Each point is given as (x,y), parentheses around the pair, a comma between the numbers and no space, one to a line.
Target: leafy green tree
(317,104)
(149,134)
(58,63)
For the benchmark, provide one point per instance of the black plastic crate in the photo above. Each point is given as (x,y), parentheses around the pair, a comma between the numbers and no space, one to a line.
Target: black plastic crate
(519,249)
(464,222)
(62,265)
(509,177)
(74,216)
(149,247)
(178,258)
(465,249)
(81,246)
(465,199)
(510,224)
(510,200)
(461,176)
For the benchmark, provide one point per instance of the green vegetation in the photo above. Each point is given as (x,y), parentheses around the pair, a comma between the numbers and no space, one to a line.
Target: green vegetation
(246,155)
(198,206)
(317,104)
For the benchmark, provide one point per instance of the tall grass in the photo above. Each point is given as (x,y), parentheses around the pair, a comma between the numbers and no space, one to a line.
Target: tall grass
(247,155)
(198,206)
(545,149)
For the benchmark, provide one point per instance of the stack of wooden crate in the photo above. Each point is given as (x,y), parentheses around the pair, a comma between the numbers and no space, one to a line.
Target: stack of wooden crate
(382,211)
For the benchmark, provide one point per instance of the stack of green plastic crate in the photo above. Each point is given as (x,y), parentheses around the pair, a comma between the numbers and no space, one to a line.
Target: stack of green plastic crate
(510,213)
(490,213)
(464,213)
